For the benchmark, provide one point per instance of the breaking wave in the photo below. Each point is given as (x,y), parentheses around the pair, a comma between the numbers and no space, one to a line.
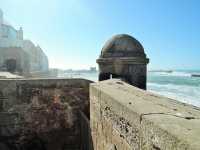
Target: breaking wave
(184,93)
(174,73)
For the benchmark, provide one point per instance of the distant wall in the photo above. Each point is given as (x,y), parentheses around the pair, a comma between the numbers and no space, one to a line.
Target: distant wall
(43,113)
(126,118)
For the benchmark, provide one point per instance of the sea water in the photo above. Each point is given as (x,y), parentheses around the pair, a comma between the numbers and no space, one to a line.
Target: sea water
(177,85)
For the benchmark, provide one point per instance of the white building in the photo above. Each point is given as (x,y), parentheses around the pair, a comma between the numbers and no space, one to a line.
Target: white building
(10,39)
(9,36)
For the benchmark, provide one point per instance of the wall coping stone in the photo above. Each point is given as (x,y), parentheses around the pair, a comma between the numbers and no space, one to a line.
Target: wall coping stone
(178,120)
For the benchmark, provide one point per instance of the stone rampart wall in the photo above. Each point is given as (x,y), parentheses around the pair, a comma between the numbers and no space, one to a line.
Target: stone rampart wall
(42,113)
(127,118)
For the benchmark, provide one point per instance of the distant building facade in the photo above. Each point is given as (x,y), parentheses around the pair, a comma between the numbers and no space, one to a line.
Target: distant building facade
(17,54)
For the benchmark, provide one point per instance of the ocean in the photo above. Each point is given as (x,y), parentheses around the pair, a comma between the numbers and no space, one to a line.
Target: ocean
(177,85)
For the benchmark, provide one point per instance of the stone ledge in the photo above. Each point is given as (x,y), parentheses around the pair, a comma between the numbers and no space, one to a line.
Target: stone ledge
(123,60)
(163,123)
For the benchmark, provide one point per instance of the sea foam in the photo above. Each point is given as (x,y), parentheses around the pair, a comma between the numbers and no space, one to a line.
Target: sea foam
(184,93)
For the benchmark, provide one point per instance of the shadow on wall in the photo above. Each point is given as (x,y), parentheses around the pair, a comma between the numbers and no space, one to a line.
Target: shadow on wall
(86,136)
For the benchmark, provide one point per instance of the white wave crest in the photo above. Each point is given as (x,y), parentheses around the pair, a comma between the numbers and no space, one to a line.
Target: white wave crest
(174,73)
(183,93)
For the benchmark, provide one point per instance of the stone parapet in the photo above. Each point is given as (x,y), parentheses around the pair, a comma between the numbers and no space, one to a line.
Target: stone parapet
(127,118)
(44,114)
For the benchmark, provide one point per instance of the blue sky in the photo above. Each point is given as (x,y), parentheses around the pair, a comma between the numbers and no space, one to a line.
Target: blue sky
(72,32)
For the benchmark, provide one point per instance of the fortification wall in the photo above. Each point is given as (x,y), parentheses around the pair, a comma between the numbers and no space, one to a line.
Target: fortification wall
(127,118)
(42,113)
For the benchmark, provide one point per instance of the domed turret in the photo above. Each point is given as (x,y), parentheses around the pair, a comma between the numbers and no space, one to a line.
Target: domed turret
(122,45)
(123,57)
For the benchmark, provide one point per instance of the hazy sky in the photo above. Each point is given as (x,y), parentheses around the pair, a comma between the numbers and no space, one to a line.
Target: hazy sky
(72,32)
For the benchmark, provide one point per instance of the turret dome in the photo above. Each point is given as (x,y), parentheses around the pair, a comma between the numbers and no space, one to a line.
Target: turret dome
(122,45)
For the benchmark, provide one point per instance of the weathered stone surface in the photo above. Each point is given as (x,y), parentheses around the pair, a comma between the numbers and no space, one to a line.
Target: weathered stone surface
(43,113)
(122,45)
(130,118)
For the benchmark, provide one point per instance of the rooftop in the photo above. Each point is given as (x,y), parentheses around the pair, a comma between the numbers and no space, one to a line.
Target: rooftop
(122,45)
